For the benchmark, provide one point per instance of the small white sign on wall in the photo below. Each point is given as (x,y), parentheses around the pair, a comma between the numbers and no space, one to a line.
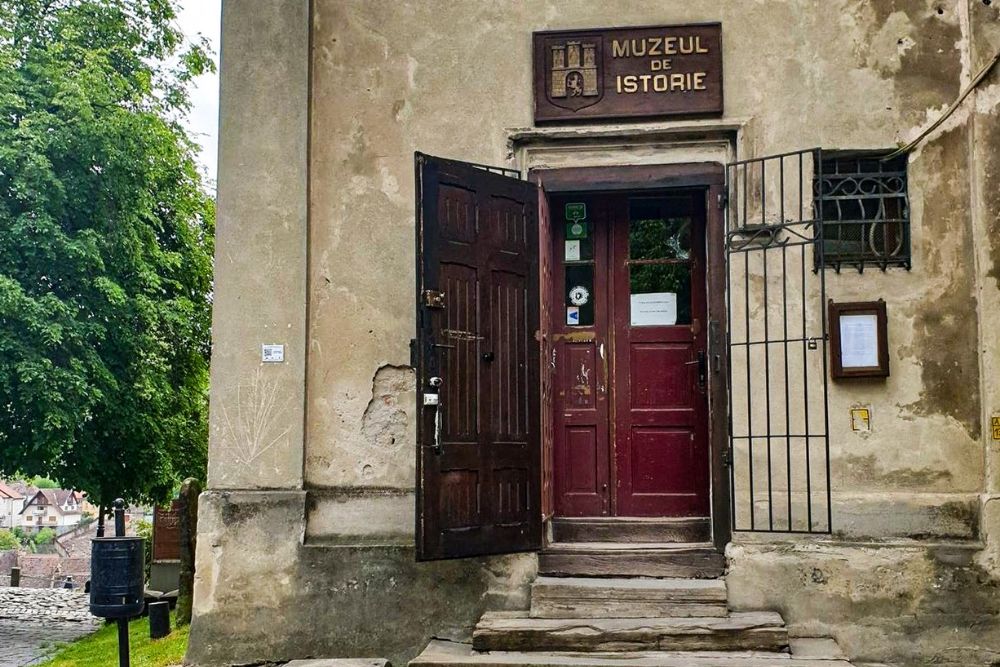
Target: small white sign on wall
(859,340)
(654,309)
(272,353)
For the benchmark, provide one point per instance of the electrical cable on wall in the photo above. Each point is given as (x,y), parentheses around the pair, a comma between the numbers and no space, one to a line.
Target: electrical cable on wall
(957,103)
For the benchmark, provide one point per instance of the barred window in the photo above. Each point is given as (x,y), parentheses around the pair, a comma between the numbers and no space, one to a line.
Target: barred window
(866,214)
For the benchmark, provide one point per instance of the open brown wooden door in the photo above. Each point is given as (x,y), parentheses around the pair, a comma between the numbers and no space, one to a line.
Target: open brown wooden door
(477,362)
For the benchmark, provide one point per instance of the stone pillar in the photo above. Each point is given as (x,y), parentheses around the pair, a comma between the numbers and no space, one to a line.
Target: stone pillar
(251,516)
(256,408)
(984,107)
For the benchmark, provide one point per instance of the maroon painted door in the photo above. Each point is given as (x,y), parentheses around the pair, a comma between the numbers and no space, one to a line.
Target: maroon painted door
(581,453)
(661,403)
(629,335)
(477,362)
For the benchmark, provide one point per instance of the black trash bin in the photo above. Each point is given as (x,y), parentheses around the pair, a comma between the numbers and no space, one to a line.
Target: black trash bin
(116,577)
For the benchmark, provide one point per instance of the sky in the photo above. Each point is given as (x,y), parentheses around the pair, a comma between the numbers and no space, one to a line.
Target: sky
(203,17)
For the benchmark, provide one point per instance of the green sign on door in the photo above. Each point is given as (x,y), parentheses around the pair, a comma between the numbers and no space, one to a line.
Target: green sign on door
(576,211)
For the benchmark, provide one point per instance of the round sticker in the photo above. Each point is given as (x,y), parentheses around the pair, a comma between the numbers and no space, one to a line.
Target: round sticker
(576,230)
(579,295)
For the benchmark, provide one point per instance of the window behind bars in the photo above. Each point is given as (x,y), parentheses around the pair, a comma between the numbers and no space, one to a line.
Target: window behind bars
(866,214)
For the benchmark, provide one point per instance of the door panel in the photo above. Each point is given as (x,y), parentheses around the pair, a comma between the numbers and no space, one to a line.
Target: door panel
(546,366)
(643,254)
(651,363)
(581,454)
(478,435)
(459,408)
(660,358)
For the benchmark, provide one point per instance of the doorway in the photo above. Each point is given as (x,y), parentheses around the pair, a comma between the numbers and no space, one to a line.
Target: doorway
(629,341)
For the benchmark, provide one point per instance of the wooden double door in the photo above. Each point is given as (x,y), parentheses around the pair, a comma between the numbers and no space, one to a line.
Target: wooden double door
(630,405)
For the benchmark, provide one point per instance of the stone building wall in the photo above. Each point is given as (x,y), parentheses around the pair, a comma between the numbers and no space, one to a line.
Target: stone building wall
(306,529)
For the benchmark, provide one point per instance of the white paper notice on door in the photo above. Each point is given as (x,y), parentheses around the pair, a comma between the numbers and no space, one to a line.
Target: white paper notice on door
(655,308)
(859,341)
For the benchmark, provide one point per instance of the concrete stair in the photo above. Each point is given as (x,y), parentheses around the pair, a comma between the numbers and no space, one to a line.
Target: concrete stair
(631,530)
(655,559)
(453,654)
(753,631)
(640,603)
(594,597)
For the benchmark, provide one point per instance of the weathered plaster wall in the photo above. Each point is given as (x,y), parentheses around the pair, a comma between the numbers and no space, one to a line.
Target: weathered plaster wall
(261,595)
(984,142)
(453,78)
(306,538)
(260,592)
(911,604)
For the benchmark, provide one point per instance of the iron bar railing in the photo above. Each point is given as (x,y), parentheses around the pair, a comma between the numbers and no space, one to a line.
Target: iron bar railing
(777,342)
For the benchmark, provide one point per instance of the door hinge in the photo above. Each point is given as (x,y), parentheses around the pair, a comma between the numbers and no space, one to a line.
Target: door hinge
(433,299)
(723,198)
(727,456)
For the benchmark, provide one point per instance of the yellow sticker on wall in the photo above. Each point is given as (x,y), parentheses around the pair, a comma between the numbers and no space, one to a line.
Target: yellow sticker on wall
(995,422)
(861,419)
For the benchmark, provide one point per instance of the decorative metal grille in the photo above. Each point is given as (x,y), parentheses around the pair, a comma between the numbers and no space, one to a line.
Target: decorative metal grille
(866,215)
(503,171)
(777,340)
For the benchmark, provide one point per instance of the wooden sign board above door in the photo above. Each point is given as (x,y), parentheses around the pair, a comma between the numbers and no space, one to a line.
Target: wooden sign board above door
(645,71)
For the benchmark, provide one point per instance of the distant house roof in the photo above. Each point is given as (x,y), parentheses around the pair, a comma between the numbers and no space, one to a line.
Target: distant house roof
(8,492)
(56,498)
(26,490)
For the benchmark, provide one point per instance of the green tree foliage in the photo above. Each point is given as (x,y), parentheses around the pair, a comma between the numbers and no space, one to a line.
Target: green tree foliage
(44,537)
(8,541)
(105,249)
(144,529)
(38,481)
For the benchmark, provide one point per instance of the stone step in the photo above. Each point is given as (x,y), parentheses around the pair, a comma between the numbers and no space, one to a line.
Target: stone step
(592,597)
(631,530)
(606,559)
(743,631)
(451,654)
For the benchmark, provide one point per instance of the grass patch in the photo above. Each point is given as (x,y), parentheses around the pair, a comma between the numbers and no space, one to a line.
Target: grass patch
(101,648)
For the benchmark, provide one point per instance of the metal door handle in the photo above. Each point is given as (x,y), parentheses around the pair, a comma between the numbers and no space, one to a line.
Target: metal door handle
(602,385)
(435,401)
(437,429)
(702,370)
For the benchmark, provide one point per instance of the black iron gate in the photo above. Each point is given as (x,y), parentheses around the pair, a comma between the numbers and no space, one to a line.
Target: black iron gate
(776,300)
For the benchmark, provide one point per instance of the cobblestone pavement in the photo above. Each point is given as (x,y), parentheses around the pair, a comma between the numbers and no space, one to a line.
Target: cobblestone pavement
(35,620)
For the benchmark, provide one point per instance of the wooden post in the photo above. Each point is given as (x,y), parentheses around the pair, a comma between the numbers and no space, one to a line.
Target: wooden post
(188,502)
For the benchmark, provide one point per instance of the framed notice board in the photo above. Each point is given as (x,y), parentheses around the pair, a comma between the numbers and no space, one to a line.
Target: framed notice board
(859,347)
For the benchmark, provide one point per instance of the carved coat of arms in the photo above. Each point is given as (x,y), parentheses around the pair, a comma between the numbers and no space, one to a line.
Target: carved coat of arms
(574,73)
